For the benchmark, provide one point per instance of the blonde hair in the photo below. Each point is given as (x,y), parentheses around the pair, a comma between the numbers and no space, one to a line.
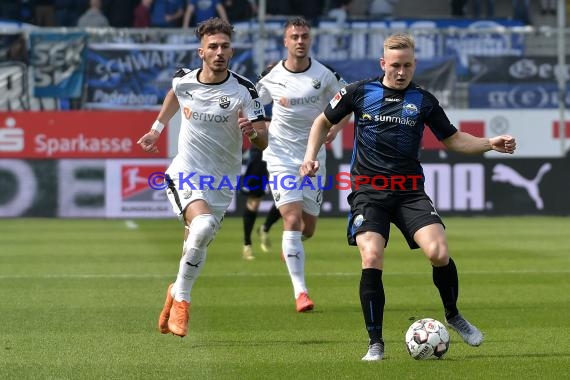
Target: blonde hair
(399,41)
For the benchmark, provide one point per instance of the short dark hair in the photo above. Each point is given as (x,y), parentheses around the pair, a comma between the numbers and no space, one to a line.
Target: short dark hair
(296,21)
(214,25)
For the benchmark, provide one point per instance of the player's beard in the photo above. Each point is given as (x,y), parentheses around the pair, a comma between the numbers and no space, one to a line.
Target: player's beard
(219,68)
(301,54)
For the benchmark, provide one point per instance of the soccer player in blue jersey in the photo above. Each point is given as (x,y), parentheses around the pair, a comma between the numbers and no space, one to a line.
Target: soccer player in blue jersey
(390,114)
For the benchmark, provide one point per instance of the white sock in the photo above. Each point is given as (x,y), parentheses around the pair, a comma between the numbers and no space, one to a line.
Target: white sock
(201,232)
(191,265)
(294,255)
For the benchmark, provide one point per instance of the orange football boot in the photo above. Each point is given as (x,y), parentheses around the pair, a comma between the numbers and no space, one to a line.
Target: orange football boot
(165,313)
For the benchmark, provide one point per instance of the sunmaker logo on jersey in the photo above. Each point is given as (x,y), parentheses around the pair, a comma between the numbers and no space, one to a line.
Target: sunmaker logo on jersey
(389,119)
(202,116)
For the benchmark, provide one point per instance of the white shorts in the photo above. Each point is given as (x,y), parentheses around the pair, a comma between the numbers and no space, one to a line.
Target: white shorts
(288,186)
(218,200)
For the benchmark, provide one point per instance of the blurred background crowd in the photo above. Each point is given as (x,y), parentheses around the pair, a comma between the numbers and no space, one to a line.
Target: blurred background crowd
(187,13)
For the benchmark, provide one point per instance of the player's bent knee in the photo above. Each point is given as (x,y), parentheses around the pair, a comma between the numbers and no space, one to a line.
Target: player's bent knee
(202,230)
(436,252)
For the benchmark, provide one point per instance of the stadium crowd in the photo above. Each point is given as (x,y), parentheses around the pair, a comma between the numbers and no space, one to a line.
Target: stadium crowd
(188,13)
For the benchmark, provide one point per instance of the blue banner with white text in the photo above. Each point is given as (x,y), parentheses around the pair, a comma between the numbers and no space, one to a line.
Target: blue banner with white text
(138,76)
(58,61)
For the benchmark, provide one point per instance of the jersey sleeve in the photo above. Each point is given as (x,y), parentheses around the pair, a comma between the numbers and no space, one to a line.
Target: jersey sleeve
(341,104)
(177,76)
(334,83)
(439,123)
(253,108)
(264,94)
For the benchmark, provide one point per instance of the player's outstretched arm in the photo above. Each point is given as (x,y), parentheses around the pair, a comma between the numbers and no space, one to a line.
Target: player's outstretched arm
(466,143)
(317,137)
(169,108)
(503,144)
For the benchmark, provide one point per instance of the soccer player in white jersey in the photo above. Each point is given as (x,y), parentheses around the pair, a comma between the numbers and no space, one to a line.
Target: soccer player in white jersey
(217,106)
(300,88)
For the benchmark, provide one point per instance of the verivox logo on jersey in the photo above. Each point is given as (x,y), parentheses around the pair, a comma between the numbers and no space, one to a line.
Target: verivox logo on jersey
(314,99)
(202,116)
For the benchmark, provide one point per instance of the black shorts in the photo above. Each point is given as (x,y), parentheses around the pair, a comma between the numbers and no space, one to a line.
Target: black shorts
(375,210)
(255,176)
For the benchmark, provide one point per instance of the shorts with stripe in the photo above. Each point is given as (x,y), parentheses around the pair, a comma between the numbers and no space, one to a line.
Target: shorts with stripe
(218,200)
(373,210)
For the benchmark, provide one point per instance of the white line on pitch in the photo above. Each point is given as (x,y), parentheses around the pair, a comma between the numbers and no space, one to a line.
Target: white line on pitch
(256,274)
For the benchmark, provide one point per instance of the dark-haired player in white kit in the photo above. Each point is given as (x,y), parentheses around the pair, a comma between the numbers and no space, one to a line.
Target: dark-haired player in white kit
(299,88)
(211,100)
(390,114)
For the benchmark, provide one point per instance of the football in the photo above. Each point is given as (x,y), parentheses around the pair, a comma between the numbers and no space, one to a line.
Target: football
(427,339)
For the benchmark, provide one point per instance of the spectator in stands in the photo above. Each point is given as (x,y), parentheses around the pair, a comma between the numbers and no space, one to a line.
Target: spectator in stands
(120,13)
(93,17)
(68,11)
(547,7)
(340,11)
(141,14)
(478,5)
(44,13)
(458,7)
(382,9)
(238,10)
(16,49)
(521,11)
(167,13)
(278,8)
(201,10)
(10,9)
(309,10)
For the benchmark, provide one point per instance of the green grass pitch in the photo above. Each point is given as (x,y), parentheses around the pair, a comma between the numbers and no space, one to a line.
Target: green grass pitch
(80,299)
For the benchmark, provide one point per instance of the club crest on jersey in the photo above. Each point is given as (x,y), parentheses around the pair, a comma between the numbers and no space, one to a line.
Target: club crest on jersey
(358,220)
(410,110)
(224,102)
(316,84)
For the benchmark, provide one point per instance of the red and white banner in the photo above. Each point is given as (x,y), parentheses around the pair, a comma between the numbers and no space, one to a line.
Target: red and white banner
(129,189)
(76,134)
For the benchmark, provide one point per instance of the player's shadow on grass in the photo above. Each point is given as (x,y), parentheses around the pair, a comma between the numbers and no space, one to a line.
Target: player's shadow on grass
(514,355)
(258,343)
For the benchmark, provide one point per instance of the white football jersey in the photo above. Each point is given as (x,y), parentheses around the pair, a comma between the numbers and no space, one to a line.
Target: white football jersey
(298,98)
(210,140)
